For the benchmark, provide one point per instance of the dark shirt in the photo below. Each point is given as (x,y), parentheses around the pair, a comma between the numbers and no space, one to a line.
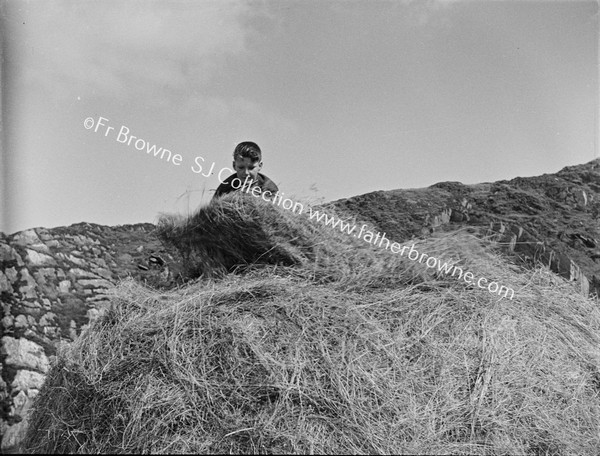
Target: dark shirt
(232,184)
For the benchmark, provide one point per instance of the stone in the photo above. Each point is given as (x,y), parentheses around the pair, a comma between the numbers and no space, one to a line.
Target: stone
(164,275)
(81,273)
(39,278)
(73,330)
(7,253)
(11,273)
(44,234)
(101,262)
(49,290)
(5,283)
(78,261)
(31,304)
(79,240)
(26,380)
(20,403)
(580,197)
(96,283)
(47,273)
(156,259)
(28,291)
(7,321)
(48,319)
(27,278)
(30,334)
(92,314)
(26,237)
(39,259)
(14,435)
(52,332)
(72,259)
(25,354)
(64,286)
(125,258)
(21,321)
(40,247)
(104,273)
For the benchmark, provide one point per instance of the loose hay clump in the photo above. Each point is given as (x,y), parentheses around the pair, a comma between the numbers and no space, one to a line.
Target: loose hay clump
(272,361)
(238,230)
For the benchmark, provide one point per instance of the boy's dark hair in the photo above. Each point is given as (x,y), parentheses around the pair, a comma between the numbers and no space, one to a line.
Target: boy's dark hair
(247,149)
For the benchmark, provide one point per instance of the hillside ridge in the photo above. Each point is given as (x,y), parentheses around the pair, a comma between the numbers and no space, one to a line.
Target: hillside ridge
(552,218)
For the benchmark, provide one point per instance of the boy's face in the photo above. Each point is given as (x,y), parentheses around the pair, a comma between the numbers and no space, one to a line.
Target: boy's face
(245,167)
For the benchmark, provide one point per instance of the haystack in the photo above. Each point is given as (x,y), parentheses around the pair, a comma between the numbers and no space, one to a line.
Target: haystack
(238,231)
(383,357)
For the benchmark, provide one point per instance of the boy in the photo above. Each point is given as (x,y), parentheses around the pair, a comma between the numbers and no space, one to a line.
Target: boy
(247,162)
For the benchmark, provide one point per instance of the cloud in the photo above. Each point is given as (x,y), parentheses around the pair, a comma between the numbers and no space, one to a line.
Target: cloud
(124,48)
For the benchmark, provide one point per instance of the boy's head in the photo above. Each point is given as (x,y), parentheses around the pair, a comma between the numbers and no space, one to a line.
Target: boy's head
(247,160)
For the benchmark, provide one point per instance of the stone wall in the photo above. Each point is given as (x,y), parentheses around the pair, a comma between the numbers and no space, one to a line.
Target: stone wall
(514,239)
(52,284)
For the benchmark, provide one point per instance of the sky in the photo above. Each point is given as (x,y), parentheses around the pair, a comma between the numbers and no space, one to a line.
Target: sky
(343,97)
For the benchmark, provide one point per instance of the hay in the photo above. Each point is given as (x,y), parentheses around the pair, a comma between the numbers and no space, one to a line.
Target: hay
(237,231)
(274,361)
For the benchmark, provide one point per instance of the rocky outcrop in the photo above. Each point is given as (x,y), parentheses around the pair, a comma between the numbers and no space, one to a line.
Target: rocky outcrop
(30,363)
(53,282)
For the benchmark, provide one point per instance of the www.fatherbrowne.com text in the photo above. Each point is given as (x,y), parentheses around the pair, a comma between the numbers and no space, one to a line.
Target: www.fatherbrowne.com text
(379,240)
(412,253)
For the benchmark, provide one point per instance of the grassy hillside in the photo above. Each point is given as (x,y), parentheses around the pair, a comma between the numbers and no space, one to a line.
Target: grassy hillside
(297,338)
(554,216)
